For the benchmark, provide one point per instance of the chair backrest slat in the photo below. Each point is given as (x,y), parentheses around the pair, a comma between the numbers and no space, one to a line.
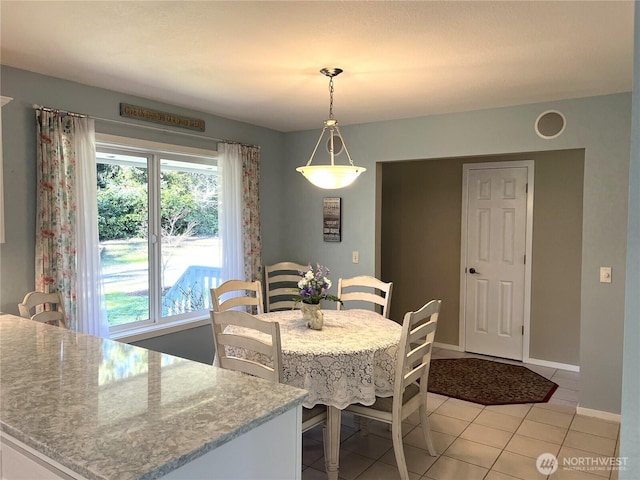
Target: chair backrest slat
(250,334)
(414,349)
(43,307)
(237,293)
(378,292)
(281,285)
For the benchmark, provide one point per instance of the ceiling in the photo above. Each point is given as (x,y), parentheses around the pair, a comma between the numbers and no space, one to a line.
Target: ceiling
(259,62)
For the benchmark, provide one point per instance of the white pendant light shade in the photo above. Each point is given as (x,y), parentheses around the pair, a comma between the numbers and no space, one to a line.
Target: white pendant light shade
(331,176)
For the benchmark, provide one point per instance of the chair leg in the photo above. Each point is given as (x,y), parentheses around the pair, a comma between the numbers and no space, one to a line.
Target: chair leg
(398,450)
(363,425)
(426,430)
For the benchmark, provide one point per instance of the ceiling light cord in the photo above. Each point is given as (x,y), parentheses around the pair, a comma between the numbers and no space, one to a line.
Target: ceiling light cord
(331,99)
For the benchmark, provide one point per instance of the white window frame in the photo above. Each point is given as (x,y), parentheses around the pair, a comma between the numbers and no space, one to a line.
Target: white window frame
(155,325)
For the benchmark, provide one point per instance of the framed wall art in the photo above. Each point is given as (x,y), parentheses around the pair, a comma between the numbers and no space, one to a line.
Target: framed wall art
(332,219)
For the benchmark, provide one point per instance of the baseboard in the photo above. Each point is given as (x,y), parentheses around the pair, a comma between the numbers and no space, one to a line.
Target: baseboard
(446,346)
(546,363)
(608,416)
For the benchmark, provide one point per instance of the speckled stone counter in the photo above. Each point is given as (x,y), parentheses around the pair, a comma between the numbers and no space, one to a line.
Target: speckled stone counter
(109,410)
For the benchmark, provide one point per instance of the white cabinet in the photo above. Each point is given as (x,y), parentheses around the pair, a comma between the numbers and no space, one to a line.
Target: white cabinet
(272,451)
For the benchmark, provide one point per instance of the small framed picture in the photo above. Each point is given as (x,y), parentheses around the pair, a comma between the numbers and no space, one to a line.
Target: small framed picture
(332,219)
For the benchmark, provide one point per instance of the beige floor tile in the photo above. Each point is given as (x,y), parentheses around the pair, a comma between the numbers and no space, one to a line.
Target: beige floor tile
(448,425)
(313,474)
(566,374)
(371,446)
(459,409)
(590,443)
(448,354)
(441,441)
(531,447)
(517,466)
(563,474)
(546,372)
(567,383)
(550,417)
(351,465)
(573,404)
(558,407)
(542,431)
(493,475)
(434,401)
(595,426)
(486,435)
(614,474)
(312,450)
(566,394)
(500,421)
(447,468)
(519,410)
(418,460)
(383,471)
(383,430)
(472,452)
(470,438)
(587,462)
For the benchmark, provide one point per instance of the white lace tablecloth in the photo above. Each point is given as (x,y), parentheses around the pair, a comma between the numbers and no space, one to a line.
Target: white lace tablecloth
(351,360)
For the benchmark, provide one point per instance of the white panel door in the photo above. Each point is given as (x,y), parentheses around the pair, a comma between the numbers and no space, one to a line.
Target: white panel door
(494,277)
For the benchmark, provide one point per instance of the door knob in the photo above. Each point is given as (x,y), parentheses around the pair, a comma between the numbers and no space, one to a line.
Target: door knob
(473,270)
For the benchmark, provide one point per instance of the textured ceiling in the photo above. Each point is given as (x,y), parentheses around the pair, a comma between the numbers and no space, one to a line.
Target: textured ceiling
(259,62)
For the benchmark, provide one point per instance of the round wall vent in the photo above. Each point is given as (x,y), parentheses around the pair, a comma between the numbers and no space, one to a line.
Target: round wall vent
(550,124)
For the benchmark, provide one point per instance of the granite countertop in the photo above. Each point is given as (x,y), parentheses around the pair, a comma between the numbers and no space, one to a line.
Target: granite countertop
(108,410)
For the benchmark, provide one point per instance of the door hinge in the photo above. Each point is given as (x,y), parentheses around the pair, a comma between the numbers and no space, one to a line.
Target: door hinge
(525,258)
(526,188)
(523,330)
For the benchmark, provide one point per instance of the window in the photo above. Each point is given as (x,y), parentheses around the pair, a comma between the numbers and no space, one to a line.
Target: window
(160,249)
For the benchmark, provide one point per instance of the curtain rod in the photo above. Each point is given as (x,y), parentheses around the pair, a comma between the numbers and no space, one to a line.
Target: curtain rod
(149,127)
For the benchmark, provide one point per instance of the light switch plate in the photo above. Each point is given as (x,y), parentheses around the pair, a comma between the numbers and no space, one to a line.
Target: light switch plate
(355,257)
(605,274)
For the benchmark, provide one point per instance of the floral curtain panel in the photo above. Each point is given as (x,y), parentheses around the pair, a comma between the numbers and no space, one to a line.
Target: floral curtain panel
(67,258)
(240,217)
(251,212)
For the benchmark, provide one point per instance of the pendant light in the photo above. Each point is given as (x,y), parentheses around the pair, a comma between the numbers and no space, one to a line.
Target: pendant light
(331,176)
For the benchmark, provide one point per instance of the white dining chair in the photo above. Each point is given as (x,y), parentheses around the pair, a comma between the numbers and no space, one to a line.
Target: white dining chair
(271,351)
(237,293)
(44,307)
(366,289)
(410,384)
(281,285)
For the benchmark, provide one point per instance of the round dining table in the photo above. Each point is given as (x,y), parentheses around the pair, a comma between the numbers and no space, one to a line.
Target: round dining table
(350,360)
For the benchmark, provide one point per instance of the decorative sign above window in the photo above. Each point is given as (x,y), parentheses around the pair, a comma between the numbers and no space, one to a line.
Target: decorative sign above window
(141,113)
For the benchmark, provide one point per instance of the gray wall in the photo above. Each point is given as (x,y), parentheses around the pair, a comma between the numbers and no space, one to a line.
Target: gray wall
(599,125)
(292,208)
(629,437)
(195,344)
(421,246)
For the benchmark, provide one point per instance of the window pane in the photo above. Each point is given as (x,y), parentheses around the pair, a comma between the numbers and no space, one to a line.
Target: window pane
(190,248)
(123,220)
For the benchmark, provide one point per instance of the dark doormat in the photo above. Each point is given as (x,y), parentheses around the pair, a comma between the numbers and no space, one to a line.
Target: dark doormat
(487,382)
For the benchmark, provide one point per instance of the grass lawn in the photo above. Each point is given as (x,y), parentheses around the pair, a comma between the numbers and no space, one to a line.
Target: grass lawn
(125,273)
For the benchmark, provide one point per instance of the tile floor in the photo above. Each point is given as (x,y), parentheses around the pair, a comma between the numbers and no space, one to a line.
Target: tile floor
(475,442)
